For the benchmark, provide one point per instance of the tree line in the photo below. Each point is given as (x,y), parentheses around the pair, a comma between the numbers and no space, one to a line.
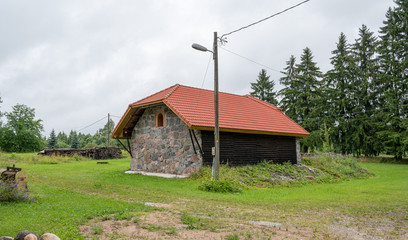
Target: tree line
(359,106)
(80,140)
(22,133)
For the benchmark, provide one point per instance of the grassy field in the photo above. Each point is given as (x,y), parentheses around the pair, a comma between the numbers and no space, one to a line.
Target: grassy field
(72,193)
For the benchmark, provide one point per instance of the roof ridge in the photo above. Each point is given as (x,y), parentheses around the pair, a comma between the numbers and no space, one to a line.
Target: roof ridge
(270,105)
(134,103)
(273,107)
(209,90)
(171,91)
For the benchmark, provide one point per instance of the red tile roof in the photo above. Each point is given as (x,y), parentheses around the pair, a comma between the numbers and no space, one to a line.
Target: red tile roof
(236,113)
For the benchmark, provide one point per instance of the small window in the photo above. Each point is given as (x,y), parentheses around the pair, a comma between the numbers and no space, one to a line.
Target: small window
(159,120)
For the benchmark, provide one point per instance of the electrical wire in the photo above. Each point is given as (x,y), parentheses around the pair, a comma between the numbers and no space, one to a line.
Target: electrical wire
(222,38)
(260,64)
(92,124)
(206,70)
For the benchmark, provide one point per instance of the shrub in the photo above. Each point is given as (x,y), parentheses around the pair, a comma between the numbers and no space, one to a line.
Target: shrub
(11,192)
(219,186)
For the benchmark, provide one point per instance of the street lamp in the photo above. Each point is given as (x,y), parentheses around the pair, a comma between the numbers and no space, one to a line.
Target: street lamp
(216,155)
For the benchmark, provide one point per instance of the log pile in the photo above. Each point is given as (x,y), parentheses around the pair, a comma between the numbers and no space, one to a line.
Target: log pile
(93,153)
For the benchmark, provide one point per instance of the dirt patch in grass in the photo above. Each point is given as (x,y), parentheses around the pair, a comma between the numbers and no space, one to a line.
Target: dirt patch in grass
(346,227)
(169,224)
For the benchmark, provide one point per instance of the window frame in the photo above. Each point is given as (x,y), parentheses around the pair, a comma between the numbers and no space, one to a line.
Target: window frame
(163,121)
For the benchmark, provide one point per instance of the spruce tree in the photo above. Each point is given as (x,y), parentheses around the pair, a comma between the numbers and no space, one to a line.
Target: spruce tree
(339,83)
(52,140)
(62,136)
(74,140)
(290,91)
(393,80)
(1,127)
(309,102)
(62,140)
(263,88)
(364,127)
(1,114)
(309,95)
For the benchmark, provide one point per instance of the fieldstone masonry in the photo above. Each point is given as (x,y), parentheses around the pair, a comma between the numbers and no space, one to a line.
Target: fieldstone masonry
(166,149)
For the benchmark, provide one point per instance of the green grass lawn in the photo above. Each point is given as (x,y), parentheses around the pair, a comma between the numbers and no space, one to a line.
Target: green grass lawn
(69,194)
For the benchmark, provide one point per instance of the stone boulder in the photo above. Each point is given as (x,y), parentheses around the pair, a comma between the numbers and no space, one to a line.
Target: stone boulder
(31,236)
(6,238)
(49,236)
(23,234)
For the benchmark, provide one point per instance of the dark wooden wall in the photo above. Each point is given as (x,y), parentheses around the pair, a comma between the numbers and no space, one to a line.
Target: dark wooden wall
(243,149)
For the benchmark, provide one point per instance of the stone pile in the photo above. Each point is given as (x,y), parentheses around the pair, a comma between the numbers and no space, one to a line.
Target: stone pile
(27,235)
(93,153)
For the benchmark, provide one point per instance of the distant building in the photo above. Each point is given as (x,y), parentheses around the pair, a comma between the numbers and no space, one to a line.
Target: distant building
(172,131)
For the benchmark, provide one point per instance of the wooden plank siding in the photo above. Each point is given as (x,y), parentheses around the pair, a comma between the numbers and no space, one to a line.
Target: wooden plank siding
(242,149)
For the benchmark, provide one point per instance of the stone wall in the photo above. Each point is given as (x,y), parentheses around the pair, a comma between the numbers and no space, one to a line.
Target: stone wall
(166,149)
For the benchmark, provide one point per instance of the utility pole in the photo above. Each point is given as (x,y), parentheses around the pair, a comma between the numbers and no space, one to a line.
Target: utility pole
(216,158)
(216,149)
(108,128)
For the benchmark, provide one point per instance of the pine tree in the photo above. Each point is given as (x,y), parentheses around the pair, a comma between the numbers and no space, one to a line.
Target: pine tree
(339,83)
(364,128)
(290,91)
(52,140)
(264,89)
(393,80)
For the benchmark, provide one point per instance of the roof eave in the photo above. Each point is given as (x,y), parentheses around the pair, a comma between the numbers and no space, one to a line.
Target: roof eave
(117,133)
(249,131)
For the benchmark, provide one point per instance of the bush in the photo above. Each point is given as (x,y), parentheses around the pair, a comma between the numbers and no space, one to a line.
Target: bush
(219,186)
(11,192)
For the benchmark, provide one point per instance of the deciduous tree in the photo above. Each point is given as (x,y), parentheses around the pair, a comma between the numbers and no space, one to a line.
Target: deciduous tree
(22,132)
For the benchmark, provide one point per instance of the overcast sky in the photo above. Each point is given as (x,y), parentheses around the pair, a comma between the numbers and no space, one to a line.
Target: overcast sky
(76,61)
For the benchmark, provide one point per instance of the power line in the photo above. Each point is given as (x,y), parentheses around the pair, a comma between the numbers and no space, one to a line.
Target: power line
(92,124)
(222,38)
(206,70)
(250,60)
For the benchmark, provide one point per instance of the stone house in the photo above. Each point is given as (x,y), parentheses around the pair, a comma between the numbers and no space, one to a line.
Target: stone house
(171,131)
